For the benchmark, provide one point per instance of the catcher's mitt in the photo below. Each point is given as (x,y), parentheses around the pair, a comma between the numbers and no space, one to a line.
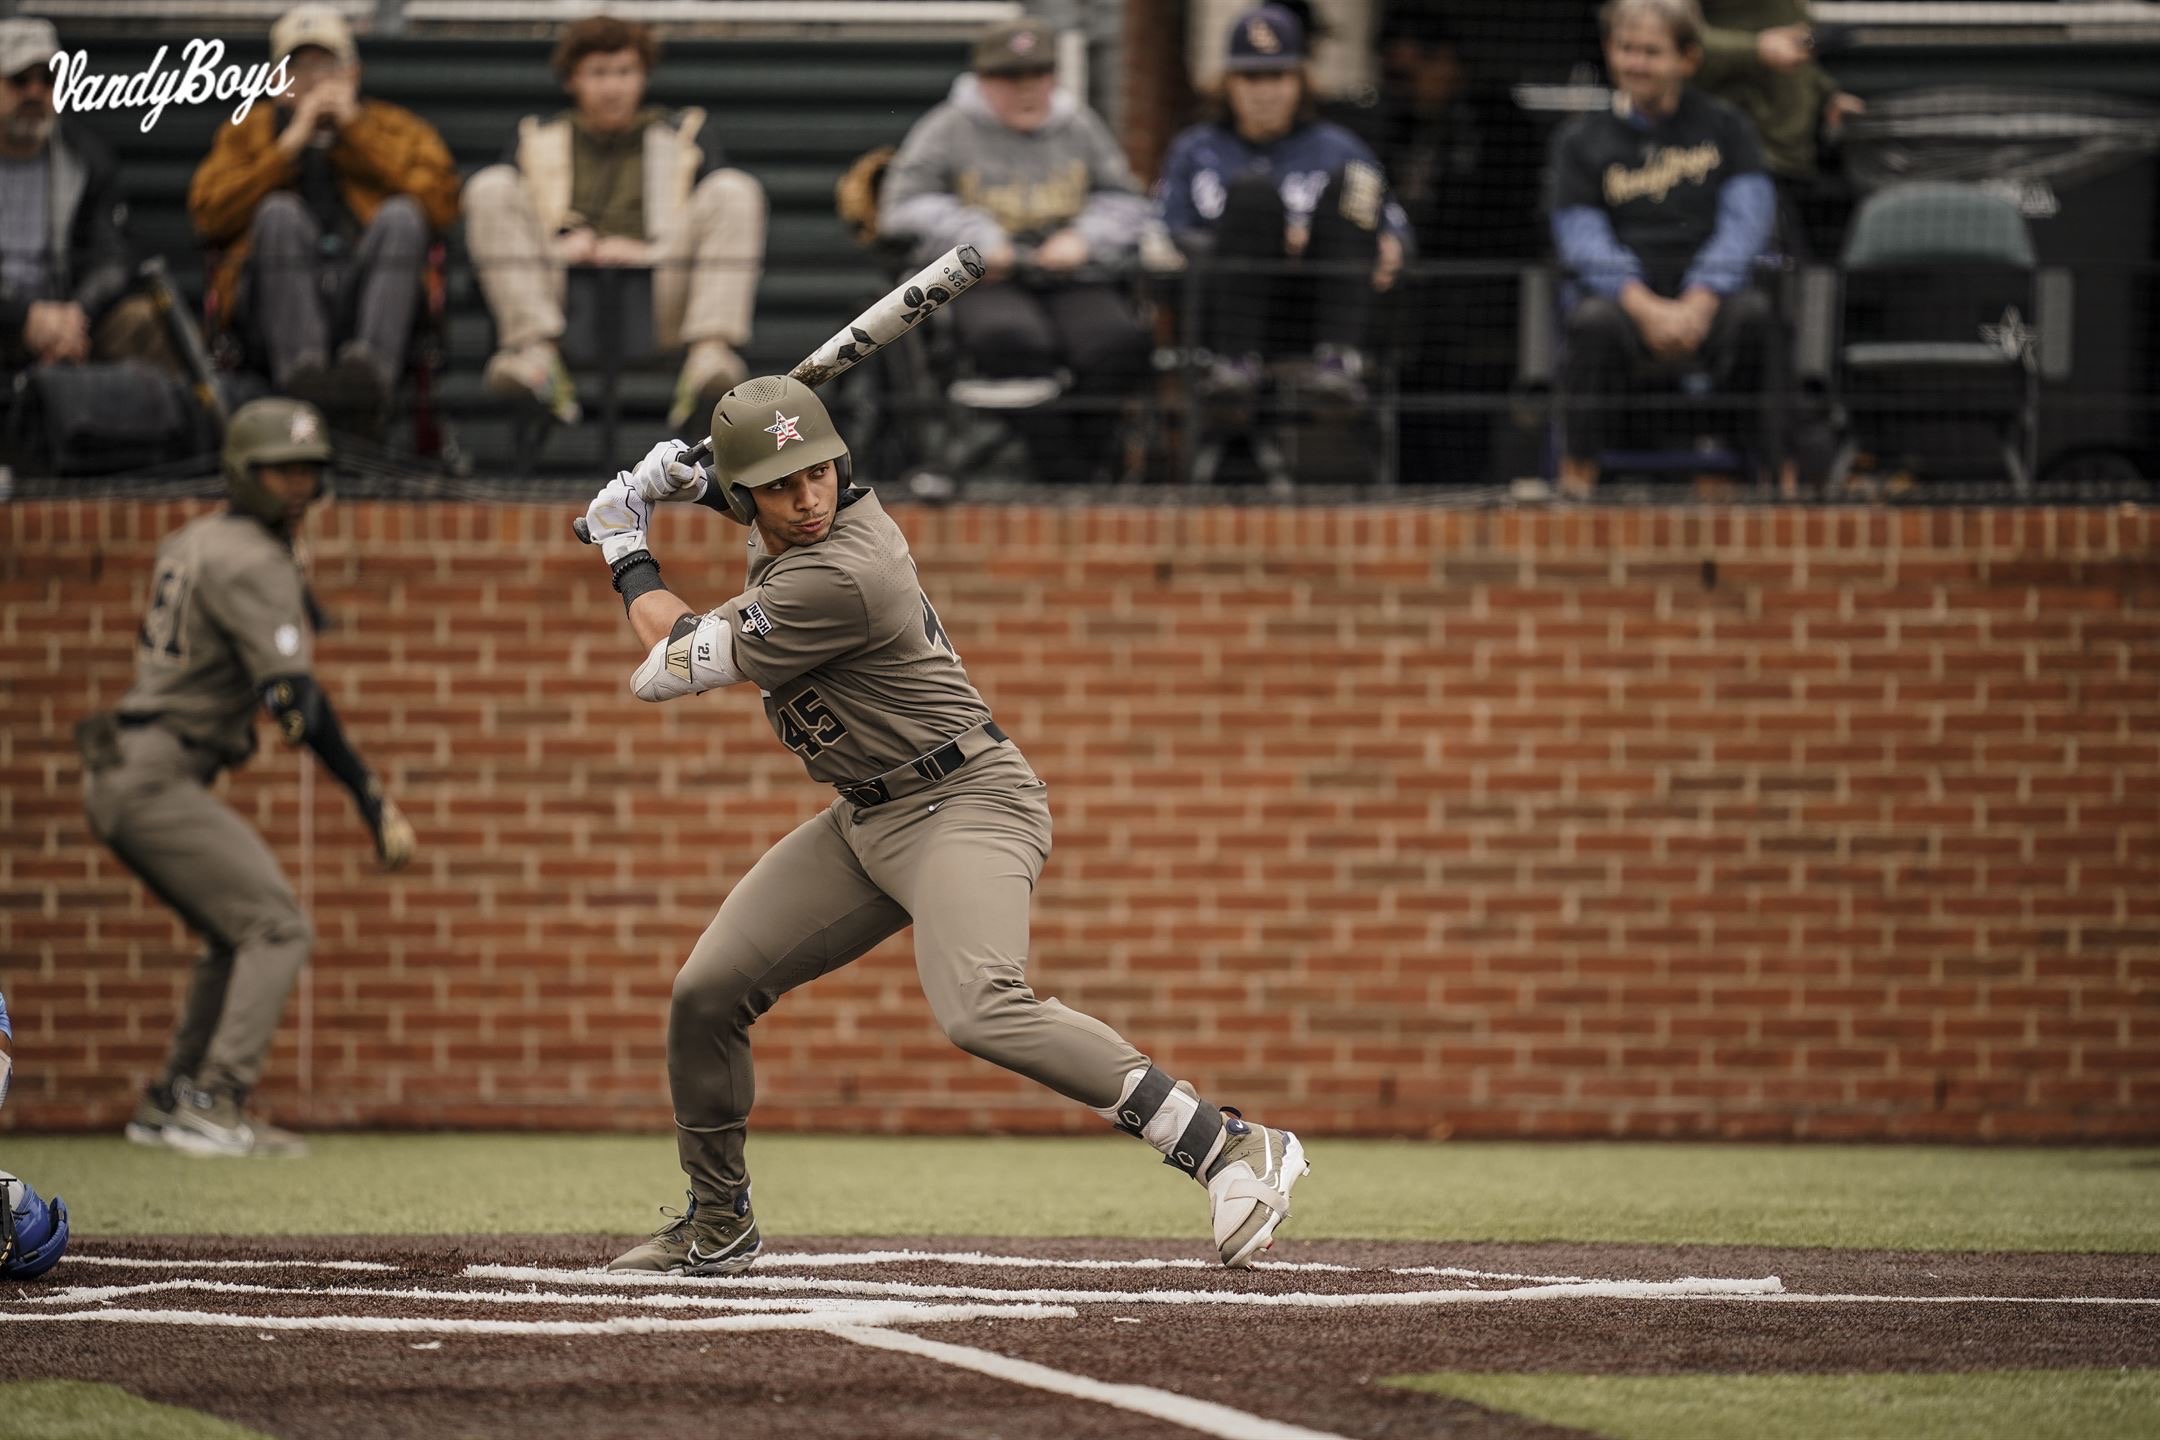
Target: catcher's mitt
(855,194)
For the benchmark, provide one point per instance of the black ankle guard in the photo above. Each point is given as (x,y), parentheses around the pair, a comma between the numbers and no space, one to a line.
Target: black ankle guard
(1197,1145)
(1147,1098)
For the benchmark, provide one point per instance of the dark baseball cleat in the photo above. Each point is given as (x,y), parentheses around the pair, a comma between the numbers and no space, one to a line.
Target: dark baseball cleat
(716,1239)
(214,1123)
(153,1112)
(1249,1187)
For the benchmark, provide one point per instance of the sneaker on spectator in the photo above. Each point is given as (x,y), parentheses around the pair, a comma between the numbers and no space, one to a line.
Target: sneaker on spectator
(353,395)
(1232,379)
(535,372)
(1337,381)
(709,371)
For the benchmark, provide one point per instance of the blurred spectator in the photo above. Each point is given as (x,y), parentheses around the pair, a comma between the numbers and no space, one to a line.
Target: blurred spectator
(324,206)
(1452,142)
(64,262)
(614,181)
(1021,170)
(1268,181)
(1759,55)
(1660,207)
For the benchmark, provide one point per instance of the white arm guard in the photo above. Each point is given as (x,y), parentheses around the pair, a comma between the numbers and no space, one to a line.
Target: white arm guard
(695,657)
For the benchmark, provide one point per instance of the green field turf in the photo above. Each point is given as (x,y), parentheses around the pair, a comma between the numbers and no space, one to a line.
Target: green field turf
(1984,1405)
(1871,1197)
(75,1410)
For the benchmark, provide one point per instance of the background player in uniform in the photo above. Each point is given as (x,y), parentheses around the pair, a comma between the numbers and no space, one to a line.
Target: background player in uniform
(228,628)
(939,823)
(33,1230)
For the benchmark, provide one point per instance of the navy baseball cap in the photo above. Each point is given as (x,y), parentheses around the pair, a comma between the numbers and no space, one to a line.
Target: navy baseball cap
(1268,38)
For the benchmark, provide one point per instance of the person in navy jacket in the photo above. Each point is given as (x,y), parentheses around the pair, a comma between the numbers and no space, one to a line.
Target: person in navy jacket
(1267,180)
(1660,208)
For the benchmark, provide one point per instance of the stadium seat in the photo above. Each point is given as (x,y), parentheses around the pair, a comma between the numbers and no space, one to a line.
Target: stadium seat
(1936,331)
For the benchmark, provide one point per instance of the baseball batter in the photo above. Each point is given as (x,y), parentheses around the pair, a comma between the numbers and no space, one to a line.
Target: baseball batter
(939,823)
(228,628)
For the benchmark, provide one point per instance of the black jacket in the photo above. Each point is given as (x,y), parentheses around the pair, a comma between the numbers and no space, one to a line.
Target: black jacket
(88,239)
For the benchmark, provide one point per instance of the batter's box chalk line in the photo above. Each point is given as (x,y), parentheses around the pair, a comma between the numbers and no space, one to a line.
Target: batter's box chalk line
(863,1312)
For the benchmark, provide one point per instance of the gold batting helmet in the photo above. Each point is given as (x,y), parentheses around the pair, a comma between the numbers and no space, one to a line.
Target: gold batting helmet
(764,430)
(275,431)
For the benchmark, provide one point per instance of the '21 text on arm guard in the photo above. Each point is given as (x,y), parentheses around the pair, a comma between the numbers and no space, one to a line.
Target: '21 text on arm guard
(697,655)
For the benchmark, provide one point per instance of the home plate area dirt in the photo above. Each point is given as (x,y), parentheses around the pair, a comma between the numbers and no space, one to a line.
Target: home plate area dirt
(494,1336)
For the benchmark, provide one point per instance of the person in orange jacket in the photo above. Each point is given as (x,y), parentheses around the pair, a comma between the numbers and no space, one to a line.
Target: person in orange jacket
(324,205)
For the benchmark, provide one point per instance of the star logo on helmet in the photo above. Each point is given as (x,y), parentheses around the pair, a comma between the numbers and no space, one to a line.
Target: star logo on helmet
(783,429)
(303,426)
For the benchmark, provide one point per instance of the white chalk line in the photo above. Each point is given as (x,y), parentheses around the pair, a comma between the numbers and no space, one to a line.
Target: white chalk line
(106,1294)
(127,1262)
(840,1259)
(778,1259)
(1804,1298)
(1205,1416)
(843,1259)
(861,1316)
(1594,1289)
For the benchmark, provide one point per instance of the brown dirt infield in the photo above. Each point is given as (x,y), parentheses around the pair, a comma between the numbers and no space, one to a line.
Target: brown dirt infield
(1290,1360)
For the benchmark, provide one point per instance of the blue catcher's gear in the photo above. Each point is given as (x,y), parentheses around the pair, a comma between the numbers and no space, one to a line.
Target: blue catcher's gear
(33,1230)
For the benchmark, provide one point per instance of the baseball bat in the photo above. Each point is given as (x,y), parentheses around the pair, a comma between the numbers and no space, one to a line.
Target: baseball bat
(186,338)
(928,290)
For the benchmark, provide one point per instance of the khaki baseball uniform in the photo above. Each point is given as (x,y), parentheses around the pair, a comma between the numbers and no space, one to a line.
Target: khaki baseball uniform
(940,823)
(227,611)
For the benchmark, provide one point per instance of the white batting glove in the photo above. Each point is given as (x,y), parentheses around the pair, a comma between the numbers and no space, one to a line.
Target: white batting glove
(617,518)
(663,475)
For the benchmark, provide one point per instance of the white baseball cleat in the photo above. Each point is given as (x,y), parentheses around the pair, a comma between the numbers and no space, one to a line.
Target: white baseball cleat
(1249,1187)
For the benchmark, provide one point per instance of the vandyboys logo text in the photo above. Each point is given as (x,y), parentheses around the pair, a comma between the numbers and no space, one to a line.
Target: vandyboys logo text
(199,80)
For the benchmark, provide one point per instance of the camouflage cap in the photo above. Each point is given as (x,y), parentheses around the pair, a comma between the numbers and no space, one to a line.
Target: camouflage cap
(764,430)
(274,431)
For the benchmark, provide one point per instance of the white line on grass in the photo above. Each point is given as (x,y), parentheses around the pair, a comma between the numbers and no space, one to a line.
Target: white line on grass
(1590,1290)
(127,1262)
(1205,1416)
(868,1315)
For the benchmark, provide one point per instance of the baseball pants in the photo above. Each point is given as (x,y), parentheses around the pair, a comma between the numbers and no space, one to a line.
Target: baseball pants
(155,811)
(959,861)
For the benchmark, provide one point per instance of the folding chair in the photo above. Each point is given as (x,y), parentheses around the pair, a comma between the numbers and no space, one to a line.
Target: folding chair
(1937,329)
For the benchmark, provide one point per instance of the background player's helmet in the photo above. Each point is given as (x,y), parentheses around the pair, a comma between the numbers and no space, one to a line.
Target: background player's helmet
(765,430)
(270,432)
(33,1230)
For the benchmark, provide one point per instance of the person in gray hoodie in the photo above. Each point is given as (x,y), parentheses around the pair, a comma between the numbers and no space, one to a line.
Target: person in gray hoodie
(1017,168)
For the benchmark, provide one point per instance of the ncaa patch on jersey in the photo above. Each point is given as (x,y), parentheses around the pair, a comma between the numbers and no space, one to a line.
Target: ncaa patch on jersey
(287,639)
(753,618)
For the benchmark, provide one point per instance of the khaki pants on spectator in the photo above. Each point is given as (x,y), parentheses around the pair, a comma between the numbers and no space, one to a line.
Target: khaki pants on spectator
(705,268)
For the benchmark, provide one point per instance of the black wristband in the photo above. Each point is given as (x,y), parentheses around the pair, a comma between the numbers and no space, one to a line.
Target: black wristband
(636,574)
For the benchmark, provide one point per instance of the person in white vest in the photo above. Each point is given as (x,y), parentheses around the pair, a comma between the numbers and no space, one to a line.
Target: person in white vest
(614,181)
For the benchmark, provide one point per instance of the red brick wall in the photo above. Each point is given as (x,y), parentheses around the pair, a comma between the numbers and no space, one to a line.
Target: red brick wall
(1381,821)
